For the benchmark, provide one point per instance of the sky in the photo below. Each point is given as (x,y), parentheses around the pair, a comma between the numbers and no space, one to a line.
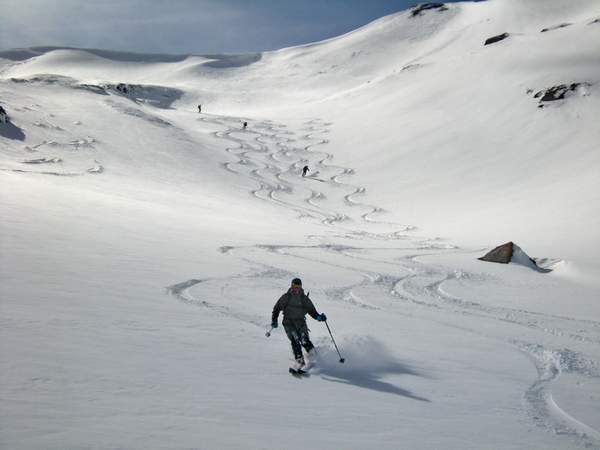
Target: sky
(184,26)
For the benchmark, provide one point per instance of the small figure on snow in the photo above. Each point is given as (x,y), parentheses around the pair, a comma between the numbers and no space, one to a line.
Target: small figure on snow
(305,169)
(295,304)
(245,125)
(3,115)
(199,108)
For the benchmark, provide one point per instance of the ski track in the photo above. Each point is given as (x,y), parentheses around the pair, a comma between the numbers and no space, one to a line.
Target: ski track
(181,292)
(542,407)
(65,150)
(272,156)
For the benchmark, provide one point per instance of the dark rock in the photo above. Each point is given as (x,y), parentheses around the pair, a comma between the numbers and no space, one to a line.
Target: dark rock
(557,92)
(512,253)
(556,27)
(122,87)
(495,39)
(418,10)
(594,21)
(501,254)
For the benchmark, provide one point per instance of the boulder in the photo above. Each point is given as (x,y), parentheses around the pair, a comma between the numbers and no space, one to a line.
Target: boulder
(512,253)
(501,254)
(495,39)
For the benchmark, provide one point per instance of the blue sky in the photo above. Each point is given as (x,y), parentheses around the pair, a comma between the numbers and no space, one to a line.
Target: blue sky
(184,26)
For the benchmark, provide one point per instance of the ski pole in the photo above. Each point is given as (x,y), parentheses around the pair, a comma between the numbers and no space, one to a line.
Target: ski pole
(268,333)
(333,340)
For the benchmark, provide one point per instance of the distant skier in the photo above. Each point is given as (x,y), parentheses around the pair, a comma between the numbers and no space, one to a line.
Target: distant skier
(3,115)
(295,304)
(305,169)
(199,108)
(245,125)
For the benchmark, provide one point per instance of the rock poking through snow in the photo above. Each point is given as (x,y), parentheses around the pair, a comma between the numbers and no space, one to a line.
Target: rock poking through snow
(512,253)
(556,27)
(419,9)
(495,39)
(501,254)
(561,91)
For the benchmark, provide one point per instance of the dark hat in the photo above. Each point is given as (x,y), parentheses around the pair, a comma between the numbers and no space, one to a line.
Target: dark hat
(297,281)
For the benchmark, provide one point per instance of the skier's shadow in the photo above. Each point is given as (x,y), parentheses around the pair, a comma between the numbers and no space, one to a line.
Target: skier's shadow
(364,367)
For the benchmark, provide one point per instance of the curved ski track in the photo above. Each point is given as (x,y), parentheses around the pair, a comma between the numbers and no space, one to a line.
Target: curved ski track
(273,156)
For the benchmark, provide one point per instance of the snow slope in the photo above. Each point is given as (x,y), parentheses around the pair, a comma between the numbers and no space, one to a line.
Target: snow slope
(143,245)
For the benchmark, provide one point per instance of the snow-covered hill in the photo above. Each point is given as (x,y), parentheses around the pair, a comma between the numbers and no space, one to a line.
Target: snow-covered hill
(143,244)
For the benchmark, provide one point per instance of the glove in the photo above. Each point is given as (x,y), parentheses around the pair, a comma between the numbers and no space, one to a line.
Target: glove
(321,317)
(274,324)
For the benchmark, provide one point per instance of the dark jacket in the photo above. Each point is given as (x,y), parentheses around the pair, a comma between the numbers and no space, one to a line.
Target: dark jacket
(294,307)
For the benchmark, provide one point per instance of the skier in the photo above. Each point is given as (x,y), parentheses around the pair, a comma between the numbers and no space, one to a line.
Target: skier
(304,170)
(245,125)
(295,304)
(199,108)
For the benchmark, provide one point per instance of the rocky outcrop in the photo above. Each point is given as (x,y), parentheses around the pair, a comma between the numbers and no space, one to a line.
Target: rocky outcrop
(561,91)
(419,9)
(512,253)
(501,254)
(495,39)
(556,27)
(124,88)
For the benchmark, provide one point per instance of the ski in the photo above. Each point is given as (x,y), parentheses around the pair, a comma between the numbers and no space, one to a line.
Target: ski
(297,372)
